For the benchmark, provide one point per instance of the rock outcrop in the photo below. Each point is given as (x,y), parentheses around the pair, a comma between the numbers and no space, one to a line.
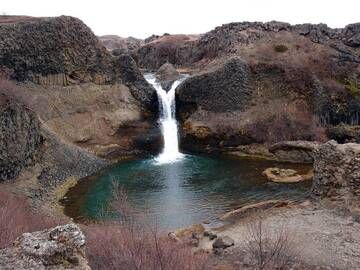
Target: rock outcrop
(167,75)
(62,247)
(294,151)
(157,50)
(278,175)
(139,87)
(337,173)
(119,45)
(63,51)
(301,80)
(37,49)
(20,137)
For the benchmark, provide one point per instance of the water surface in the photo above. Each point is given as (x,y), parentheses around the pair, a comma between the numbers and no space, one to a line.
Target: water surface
(189,191)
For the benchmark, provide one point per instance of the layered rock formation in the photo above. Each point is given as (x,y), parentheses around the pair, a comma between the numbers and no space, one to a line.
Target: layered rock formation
(62,247)
(91,104)
(20,137)
(299,81)
(337,173)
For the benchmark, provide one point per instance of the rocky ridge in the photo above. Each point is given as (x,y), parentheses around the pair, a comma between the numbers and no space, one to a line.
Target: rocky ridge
(62,247)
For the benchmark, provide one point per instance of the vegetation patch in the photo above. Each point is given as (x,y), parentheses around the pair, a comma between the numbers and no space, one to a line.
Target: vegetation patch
(352,86)
(280,48)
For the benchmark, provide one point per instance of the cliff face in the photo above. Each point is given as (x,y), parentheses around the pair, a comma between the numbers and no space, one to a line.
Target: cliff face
(91,104)
(301,81)
(37,48)
(20,138)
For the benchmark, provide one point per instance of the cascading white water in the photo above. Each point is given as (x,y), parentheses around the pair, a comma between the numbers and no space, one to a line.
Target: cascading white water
(169,129)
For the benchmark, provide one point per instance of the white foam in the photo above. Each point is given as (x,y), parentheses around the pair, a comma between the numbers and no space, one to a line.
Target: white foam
(169,128)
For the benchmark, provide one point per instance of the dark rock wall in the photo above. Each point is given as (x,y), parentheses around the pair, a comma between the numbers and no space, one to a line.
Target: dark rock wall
(47,46)
(225,89)
(20,138)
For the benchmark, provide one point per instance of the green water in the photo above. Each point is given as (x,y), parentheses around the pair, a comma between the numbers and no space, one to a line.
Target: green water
(179,194)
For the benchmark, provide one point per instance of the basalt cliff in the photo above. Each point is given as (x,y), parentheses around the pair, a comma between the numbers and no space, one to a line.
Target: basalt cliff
(68,106)
(261,83)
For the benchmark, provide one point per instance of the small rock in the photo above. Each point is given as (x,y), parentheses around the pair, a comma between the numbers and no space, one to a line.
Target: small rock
(210,234)
(223,242)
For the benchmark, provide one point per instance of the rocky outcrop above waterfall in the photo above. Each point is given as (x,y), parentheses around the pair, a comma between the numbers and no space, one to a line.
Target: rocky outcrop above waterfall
(20,137)
(119,45)
(167,75)
(139,87)
(337,173)
(301,81)
(62,247)
(157,50)
(239,103)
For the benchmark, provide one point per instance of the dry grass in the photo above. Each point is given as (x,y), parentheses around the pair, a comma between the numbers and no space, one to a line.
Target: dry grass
(16,217)
(114,246)
(134,244)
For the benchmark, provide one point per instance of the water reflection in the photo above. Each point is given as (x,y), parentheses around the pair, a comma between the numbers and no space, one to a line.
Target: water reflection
(188,191)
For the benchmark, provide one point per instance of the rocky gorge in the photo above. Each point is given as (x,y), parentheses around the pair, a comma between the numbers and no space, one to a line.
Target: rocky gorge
(72,103)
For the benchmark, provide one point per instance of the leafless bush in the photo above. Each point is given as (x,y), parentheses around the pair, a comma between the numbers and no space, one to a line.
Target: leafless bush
(134,244)
(16,218)
(115,246)
(269,249)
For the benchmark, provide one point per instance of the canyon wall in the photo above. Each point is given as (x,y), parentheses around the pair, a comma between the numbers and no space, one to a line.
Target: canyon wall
(296,82)
(88,105)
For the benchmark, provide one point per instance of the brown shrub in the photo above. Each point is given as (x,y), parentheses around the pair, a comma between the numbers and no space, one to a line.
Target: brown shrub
(131,243)
(16,217)
(115,246)
(269,249)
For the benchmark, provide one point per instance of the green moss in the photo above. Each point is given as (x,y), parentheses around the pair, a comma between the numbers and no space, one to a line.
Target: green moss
(352,86)
(280,48)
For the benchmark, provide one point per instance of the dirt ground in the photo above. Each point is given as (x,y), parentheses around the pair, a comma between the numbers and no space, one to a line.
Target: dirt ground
(322,237)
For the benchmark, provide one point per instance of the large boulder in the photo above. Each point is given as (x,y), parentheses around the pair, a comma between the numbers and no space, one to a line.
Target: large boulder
(167,75)
(139,87)
(223,90)
(20,137)
(294,151)
(62,247)
(59,50)
(337,172)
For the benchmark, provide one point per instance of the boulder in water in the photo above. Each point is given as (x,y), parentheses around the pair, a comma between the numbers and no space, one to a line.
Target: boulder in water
(167,75)
(286,175)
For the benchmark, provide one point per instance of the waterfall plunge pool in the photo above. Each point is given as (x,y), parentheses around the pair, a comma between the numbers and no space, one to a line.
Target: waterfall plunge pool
(175,190)
(186,192)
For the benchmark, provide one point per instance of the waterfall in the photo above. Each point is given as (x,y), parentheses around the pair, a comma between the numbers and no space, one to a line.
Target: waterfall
(169,129)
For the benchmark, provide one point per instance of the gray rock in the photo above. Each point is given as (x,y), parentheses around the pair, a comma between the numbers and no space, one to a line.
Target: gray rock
(210,234)
(62,247)
(20,137)
(294,151)
(337,173)
(167,75)
(223,242)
